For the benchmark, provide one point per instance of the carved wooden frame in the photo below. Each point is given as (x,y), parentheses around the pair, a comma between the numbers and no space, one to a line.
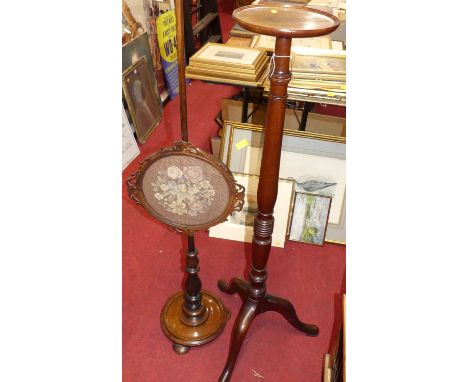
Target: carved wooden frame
(236,191)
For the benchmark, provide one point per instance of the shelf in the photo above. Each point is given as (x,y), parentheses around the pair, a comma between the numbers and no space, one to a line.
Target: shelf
(204,22)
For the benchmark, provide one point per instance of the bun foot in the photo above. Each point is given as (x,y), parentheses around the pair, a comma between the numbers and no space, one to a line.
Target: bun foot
(180,349)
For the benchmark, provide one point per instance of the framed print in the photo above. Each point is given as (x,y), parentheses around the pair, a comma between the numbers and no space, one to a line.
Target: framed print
(267,43)
(315,164)
(310,217)
(235,134)
(223,68)
(221,54)
(224,73)
(141,99)
(224,80)
(312,173)
(130,148)
(319,62)
(135,49)
(239,226)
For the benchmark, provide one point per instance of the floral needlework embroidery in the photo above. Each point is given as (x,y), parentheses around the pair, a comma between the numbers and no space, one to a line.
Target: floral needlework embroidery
(183,191)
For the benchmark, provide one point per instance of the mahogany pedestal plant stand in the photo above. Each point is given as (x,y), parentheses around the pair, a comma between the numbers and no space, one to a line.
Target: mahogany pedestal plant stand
(285,23)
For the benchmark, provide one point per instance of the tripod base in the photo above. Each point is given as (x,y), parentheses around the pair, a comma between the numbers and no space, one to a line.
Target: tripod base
(184,335)
(249,310)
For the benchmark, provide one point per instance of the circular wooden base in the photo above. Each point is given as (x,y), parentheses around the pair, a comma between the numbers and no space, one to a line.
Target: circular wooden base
(193,335)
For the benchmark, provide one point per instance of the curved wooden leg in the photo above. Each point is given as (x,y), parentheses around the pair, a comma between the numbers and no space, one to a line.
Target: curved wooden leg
(239,331)
(286,309)
(236,285)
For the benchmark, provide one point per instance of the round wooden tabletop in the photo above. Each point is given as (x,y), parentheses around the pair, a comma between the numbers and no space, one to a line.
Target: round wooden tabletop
(285,21)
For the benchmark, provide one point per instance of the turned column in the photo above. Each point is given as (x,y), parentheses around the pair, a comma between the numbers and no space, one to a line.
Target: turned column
(269,172)
(193,312)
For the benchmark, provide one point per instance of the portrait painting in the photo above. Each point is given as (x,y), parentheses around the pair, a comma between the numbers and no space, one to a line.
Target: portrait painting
(134,50)
(141,99)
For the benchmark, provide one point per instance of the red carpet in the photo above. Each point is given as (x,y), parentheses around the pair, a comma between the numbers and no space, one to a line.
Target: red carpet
(309,276)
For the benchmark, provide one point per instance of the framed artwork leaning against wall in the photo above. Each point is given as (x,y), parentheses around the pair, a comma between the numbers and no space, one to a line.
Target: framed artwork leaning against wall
(316,163)
(141,99)
(310,216)
(239,225)
(135,49)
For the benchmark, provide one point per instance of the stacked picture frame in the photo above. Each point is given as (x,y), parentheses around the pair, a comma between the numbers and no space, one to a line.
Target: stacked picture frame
(317,73)
(220,63)
(311,204)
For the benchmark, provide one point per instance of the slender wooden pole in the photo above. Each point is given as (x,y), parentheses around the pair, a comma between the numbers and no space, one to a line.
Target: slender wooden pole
(181,68)
(193,311)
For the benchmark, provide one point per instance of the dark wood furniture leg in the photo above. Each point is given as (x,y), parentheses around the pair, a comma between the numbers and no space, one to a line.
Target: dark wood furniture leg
(254,298)
(194,312)
(308,106)
(245,105)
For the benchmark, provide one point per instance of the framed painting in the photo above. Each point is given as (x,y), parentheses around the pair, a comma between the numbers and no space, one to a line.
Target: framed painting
(239,226)
(310,217)
(319,62)
(141,99)
(135,49)
(317,166)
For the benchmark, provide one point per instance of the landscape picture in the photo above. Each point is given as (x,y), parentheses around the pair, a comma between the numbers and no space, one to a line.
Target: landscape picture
(309,222)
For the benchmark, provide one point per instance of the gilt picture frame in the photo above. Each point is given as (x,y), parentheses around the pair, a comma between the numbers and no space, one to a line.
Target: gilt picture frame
(133,50)
(306,157)
(319,61)
(221,54)
(293,140)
